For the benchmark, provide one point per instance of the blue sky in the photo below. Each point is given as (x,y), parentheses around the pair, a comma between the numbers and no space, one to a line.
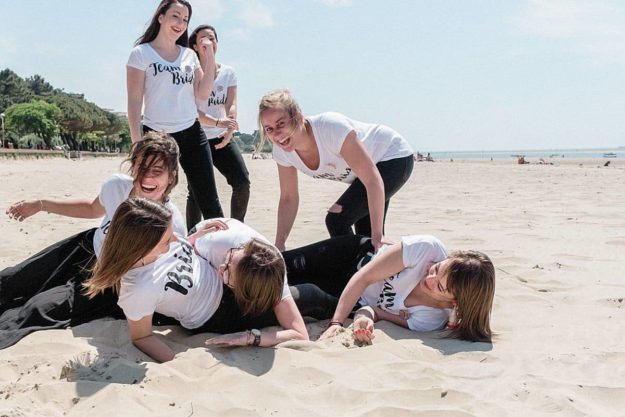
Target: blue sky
(447,74)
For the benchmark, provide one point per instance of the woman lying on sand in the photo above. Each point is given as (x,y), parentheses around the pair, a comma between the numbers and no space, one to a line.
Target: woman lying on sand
(209,283)
(44,291)
(414,284)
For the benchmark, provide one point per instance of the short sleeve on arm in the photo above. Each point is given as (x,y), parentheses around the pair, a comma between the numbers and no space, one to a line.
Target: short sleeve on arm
(280,157)
(232,82)
(136,59)
(427,320)
(337,127)
(137,303)
(420,249)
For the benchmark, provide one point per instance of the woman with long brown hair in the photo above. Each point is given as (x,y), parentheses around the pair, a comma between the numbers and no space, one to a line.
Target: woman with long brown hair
(166,77)
(211,286)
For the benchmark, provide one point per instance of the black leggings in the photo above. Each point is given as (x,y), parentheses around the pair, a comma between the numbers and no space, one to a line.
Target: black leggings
(229,161)
(317,273)
(197,164)
(354,203)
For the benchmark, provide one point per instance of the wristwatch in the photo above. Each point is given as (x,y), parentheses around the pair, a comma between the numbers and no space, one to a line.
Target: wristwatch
(256,333)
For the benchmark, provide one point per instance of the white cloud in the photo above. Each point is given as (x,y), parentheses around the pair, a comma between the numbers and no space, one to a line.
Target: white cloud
(337,3)
(207,11)
(592,28)
(256,14)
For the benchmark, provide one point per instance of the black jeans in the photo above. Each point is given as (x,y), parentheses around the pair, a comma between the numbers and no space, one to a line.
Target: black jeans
(355,208)
(317,273)
(229,161)
(45,291)
(197,164)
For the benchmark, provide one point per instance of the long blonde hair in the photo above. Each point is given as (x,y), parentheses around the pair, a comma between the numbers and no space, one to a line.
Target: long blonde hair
(259,278)
(471,279)
(276,99)
(137,227)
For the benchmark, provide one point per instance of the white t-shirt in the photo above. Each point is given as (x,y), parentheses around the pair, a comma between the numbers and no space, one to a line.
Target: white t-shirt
(169,97)
(215,105)
(330,130)
(178,284)
(419,253)
(115,190)
(214,246)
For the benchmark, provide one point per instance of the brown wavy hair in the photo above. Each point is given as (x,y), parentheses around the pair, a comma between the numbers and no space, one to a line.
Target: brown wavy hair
(153,148)
(259,278)
(471,279)
(152,31)
(136,228)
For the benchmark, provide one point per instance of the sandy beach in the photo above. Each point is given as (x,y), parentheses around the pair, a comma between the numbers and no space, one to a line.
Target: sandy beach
(556,234)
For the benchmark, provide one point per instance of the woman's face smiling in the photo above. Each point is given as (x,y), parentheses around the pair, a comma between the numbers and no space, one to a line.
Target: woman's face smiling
(154,181)
(435,282)
(174,21)
(279,128)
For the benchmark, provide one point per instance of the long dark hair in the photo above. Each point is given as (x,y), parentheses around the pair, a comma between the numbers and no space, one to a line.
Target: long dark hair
(150,33)
(193,35)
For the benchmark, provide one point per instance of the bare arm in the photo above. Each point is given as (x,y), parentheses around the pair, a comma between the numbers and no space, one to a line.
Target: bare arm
(83,209)
(135,85)
(291,321)
(231,102)
(381,267)
(205,75)
(360,162)
(288,205)
(289,318)
(147,342)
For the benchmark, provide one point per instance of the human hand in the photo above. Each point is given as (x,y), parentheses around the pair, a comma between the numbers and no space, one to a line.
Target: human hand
(363,329)
(225,139)
(232,339)
(228,123)
(377,243)
(206,47)
(331,331)
(24,209)
(208,226)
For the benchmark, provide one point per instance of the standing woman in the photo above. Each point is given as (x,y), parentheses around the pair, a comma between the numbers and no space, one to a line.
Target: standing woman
(166,77)
(218,117)
(374,159)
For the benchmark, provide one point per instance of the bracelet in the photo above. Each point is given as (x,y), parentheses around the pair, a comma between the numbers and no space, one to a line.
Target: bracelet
(217,122)
(333,322)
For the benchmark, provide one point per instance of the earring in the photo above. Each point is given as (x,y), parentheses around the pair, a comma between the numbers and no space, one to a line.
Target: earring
(452,323)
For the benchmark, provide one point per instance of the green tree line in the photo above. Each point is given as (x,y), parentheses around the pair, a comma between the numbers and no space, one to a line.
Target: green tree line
(37,114)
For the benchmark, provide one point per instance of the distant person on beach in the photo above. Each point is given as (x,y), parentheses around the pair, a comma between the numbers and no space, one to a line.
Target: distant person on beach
(373,159)
(167,77)
(218,117)
(45,290)
(415,284)
(225,278)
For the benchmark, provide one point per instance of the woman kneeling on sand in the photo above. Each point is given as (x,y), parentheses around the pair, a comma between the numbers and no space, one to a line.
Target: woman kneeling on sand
(155,270)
